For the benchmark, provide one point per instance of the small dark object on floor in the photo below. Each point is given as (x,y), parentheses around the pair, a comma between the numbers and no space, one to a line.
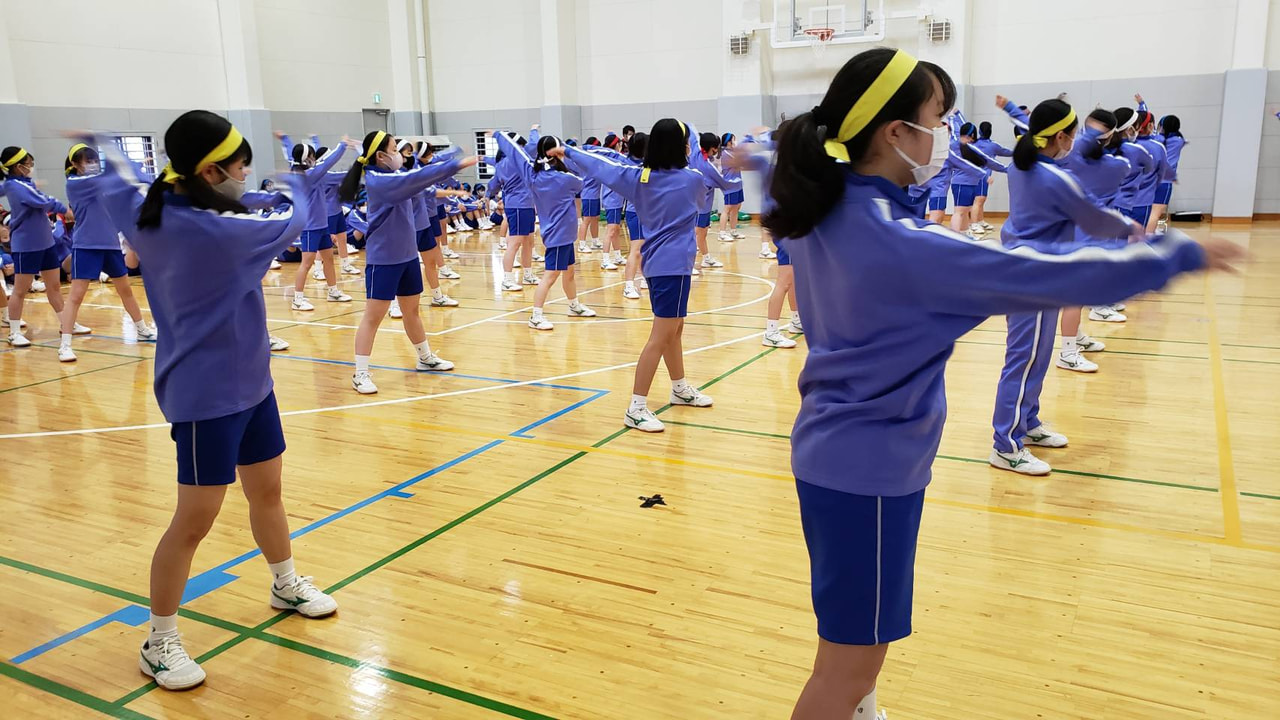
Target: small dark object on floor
(651,501)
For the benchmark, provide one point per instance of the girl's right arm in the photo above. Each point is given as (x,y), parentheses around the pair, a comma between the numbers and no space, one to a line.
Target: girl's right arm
(623,179)
(1016,114)
(520,161)
(394,187)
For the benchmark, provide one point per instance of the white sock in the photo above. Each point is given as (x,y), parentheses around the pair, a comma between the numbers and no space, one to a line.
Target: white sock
(437,294)
(764,246)
(573,303)
(140,324)
(423,348)
(866,709)
(630,285)
(795,316)
(638,403)
(282,572)
(299,295)
(679,385)
(333,289)
(66,339)
(362,363)
(509,277)
(1068,346)
(771,327)
(164,624)
(537,313)
(1081,337)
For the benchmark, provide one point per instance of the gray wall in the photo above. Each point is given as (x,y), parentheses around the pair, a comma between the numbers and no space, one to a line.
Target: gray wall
(1267,195)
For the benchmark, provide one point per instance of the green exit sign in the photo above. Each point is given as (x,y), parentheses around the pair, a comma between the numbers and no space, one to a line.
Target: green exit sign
(377,98)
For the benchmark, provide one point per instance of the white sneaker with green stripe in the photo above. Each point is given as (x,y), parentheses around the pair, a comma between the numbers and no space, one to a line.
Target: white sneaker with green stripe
(1022,462)
(165,660)
(643,420)
(690,396)
(302,596)
(1045,436)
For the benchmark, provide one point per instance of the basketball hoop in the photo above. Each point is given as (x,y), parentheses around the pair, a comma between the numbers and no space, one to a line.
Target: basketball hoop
(819,37)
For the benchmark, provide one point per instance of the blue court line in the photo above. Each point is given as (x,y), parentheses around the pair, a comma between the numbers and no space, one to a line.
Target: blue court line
(216,577)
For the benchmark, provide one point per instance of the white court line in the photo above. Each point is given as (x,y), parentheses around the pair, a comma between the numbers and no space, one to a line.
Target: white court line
(376,403)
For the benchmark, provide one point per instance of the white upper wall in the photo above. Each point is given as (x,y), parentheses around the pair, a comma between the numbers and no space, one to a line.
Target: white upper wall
(118,54)
(485,54)
(324,55)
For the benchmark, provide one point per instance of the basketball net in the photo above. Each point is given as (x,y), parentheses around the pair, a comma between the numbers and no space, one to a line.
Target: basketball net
(819,38)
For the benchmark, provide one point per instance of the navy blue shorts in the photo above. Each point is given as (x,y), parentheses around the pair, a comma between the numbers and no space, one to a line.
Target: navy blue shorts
(210,450)
(963,194)
(704,220)
(634,231)
(983,188)
(938,202)
(669,295)
(560,257)
(316,240)
(337,224)
(734,198)
(86,264)
(590,207)
(862,556)
(36,261)
(1164,191)
(613,216)
(520,221)
(388,282)
(1140,214)
(441,212)
(427,238)
(783,257)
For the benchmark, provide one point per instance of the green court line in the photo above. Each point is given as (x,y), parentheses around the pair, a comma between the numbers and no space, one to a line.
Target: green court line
(81,349)
(67,377)
(67,692)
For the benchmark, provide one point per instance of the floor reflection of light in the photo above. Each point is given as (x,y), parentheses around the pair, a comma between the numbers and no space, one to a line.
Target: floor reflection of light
(511,593)
(368,689)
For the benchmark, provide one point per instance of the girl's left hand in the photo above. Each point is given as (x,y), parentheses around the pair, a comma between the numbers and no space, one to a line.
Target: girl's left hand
(556,152)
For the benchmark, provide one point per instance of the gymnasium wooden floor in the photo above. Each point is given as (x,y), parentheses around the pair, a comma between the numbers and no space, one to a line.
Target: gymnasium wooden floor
(484,533)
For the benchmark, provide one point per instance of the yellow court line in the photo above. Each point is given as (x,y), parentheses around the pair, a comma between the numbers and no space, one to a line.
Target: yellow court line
(1226,468)
(977,507)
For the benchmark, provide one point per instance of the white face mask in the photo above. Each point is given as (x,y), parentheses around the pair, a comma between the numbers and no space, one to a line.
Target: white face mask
(922,174)
(229,188)
(394,160)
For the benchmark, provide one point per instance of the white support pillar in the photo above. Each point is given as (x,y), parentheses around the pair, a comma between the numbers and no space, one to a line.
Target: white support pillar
(402,42)
(243,71)
(14,117)
(561,113)
(1243,110)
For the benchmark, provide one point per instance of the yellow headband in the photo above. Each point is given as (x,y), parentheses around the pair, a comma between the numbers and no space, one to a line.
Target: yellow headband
(373,148)
(871,102)
(222,151)
(1041,139)
(22,152)
(72,153)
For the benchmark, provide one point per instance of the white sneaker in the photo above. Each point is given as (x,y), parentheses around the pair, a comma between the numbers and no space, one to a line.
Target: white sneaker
(1088,344)
(1045,436)
(65,354)
(795,326)
(583,248)
(608,265)
(336,295)
(725,237)
(619,261)
(394,311)
(515,263)
(301,304)
(690,397)
(737,235)
(644,421)
(303,597)
(629,292)
(317,272)
(165,660)
(597,245)
(1118,307)
(580,310)
(363,383)
(778,340)
(275,264)
(433,362)
(710,262)
(1105,313)
(277,344)
(448,273)
(7,323)
(502,244)
(1077,362)
(695,272)
(539,322)
(17,339)
(349,269)
(102,277)
(37,285)
(450,253)
(509,286)
(644,284)
(147,333)
(530,278)
(352,249)
(78,329)
(539,258)
(1020,462)
(768,254)
(443,301)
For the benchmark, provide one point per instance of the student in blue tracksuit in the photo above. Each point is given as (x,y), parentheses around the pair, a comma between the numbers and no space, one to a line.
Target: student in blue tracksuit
(30,238)
(553,188)
(317,242)
(205,253)
(969,168)
(1170,134)
(733,199)
(1151,179)
(590,208)
(759,157)
(391,269)
(612,203)
(713,178)
(517,205)
(636,145)
(992,149)
(884,298)
(332,208)
(1124,144)
(936,188)
(666,191)
(95,248)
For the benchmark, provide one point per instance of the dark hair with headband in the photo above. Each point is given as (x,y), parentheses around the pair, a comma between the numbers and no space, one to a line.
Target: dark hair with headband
(984,130)
(301,152)
(969,130)
(628,129)
(592,140)
(368,152)
(1171,125)
(545,143)
(1146,122)
(667,146)
(196,140)
(1125,118)
(1047,120)
(1107,119)
(11,157)
(708,141)
(78,153)
(807,179)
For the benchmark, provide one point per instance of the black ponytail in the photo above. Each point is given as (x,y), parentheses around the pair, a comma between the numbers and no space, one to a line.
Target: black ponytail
(1171,125)
(351,181)
(187,141)
(1046,114)
(807,182)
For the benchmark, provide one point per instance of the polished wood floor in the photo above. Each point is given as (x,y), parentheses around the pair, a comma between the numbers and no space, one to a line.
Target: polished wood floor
(484,534)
